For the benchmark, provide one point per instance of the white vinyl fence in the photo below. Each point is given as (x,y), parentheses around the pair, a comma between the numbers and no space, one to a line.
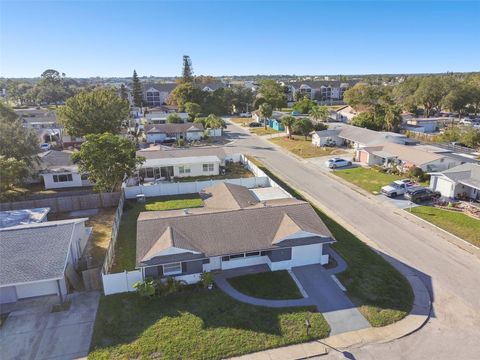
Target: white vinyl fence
(120,282)
(190,187)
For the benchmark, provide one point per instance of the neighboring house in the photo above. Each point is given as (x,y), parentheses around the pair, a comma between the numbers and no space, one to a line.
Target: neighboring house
(211,87)
(161,132)
(404,156)
(276,124)
(58,171)
(356,137)
(11,218)
(326,138)
(166,164)
(428,125)
(345,114)
(157,94)
(463,180)
(69,141)
(154,117)
(232,230)
(37,258)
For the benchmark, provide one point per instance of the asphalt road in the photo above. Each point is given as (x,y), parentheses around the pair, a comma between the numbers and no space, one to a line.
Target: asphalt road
(450,271)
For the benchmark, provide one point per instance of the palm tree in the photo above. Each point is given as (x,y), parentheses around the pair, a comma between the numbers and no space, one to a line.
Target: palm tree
(266,112)
(319,113)
(287,122)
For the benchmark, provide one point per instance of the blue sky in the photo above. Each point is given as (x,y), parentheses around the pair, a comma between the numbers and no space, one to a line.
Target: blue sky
(111,38)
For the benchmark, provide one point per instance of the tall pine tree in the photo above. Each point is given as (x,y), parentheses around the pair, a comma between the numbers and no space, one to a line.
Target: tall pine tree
(137,90)
(187,72)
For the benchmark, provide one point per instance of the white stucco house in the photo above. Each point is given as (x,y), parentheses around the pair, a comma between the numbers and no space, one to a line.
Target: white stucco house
(164,132)
(37,257)
(281,233)
(169,164)
(463,180)
(58,171)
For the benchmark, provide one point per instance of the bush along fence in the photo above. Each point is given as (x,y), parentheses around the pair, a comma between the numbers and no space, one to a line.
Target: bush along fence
(123,282)
(66,203)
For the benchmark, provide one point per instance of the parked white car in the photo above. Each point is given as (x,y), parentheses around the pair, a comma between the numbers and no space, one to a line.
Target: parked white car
(398,187)
(337,162)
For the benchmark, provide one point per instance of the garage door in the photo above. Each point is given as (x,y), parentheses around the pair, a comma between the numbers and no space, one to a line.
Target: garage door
(444,186)
(306,255)
(37,289)
(363,157)
(8,294)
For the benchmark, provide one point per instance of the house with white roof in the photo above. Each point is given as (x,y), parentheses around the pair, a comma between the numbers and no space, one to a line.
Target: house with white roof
(173,132)
(463,180)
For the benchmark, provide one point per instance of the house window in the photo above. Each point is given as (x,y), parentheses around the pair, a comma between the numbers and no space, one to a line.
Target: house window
(208,167)
(237,256)
(184,170)
(253,253)
(149,172)
(225,258)
(172,269)
(62,178)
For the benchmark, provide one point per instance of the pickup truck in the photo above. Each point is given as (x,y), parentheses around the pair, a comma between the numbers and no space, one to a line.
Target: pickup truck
(398,187)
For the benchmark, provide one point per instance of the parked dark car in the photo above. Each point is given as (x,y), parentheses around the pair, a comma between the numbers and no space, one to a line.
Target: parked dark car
(420,194)
(255,124)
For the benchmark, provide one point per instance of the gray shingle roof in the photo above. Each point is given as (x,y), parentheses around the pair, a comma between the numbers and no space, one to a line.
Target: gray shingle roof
(228,196)
(468,174)
(35,252)
(215,232)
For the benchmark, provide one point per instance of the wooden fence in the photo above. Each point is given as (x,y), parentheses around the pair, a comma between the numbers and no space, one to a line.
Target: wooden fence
(67,203)
(110,254)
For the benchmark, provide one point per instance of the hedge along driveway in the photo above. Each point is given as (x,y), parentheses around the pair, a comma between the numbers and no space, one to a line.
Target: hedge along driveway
(382,294)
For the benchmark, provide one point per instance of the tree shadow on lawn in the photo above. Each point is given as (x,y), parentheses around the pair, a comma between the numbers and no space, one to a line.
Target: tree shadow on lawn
(198,314)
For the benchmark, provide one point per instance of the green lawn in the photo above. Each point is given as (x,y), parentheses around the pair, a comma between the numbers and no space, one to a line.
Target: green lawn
(454,222)
(277,285)
(125,248)
(262,131)
(200,325)
(382,294)
(232,171)
(304,148)
(367,178)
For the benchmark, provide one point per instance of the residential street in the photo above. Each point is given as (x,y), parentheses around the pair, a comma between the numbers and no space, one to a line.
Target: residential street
(450,272)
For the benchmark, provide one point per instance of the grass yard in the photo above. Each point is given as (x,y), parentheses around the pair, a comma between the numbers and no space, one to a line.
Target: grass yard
(276,285)
(367,178)
(125,248)
(262,131)
(457,223)
(304,148)
(382,294)
(241,121)
(232,171)
(198,324)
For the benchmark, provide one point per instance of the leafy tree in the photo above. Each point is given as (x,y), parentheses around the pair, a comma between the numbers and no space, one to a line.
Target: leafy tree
(362,97)
(94,112)
(242,98)
(193,110)
(470,137)
(218,102)
(366,120)
(392,118)
(404,93)
(187,71)
(273,93)
(16,141)
(320,126)
(266,112)
(137,92)
(213,121)
(457,100)
(430,93)
(19,92)
(452,134)
(107,159)
(319,113)
(288,121)
(174,119)
(13,172)
(185,93)
(51,87)
(304,106)
(474,82)
(303,126)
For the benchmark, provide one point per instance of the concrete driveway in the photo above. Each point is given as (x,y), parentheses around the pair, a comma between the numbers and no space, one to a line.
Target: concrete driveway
(340,313)
(32,331)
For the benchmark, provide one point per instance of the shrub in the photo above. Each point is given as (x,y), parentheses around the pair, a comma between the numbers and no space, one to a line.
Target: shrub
(181,142)
(146,288)
(416,173)
(207,279)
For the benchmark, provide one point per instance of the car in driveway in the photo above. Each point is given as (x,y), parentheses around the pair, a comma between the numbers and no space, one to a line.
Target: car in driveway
(419,194)
(397,187)
(337,162)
